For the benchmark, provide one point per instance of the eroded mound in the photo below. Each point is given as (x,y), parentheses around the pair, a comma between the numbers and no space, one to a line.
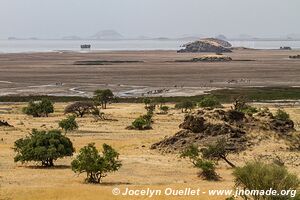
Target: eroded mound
(207,126)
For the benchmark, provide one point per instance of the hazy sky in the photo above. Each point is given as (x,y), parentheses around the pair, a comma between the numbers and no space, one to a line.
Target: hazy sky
(172,18)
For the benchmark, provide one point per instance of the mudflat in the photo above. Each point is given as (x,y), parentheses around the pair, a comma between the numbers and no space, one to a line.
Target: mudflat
(142,73)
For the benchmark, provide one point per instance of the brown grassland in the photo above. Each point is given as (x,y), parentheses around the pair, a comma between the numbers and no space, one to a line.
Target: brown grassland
(142,168)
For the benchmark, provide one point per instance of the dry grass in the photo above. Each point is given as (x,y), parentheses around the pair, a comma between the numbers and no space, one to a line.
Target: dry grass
(142,168)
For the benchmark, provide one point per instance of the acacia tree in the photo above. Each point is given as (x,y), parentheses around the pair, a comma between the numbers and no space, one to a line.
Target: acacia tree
(80,108)
(42,146)
(102,97)
(39,108)
(96,166)
(217,152)
(185,105)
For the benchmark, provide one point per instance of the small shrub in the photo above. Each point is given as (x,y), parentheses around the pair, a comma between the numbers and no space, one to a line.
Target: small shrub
(147,101)
(241,106)
(260,176)
(161,101)
(249,110)
(141,123)
(239,103)
(39,108)
(282,115)
(207,167)
(68,124)
(95,165)
(209,102)
(263,112)
(164,109)
(97,114)
(150,108)
(42,146)
(208,170)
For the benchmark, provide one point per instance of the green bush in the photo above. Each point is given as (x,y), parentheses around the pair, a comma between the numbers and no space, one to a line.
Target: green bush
(185,105)
(208,167)
(39,108)
(96,166)
(164,109)
(249,110)
(147,101)
(208,170)
(282,115)
(241,105)
(260,176)
(42,146)
(142,123)
(209,102)
(68,124)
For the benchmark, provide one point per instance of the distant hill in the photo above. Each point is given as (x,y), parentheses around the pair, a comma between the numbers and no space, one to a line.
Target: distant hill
(107,35)
(73,37)
(221,37)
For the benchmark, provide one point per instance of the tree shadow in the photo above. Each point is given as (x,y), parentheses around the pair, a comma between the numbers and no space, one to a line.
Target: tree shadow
(51,168)
(114,183)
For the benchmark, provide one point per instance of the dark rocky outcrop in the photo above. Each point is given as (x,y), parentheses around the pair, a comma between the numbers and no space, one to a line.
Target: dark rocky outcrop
(194,123)
(207,126)
(212,59)
(199,130)
(295,57)
(285,48)
(5,123)
(207,45)
(208,58)
(282,126)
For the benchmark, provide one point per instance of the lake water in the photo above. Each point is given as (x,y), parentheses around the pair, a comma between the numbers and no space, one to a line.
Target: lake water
(17,46)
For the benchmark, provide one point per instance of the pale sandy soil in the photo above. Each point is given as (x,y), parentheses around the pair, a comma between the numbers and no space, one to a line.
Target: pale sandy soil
(55,73)
(142,168)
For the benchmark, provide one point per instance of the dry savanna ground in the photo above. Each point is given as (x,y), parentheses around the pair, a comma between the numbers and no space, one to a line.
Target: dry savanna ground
(142,168)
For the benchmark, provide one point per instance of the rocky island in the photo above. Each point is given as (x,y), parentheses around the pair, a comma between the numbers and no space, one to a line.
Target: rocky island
(207,45)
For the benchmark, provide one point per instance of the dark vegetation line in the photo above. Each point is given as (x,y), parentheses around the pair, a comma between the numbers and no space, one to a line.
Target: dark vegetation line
(105,62)
(223,95)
